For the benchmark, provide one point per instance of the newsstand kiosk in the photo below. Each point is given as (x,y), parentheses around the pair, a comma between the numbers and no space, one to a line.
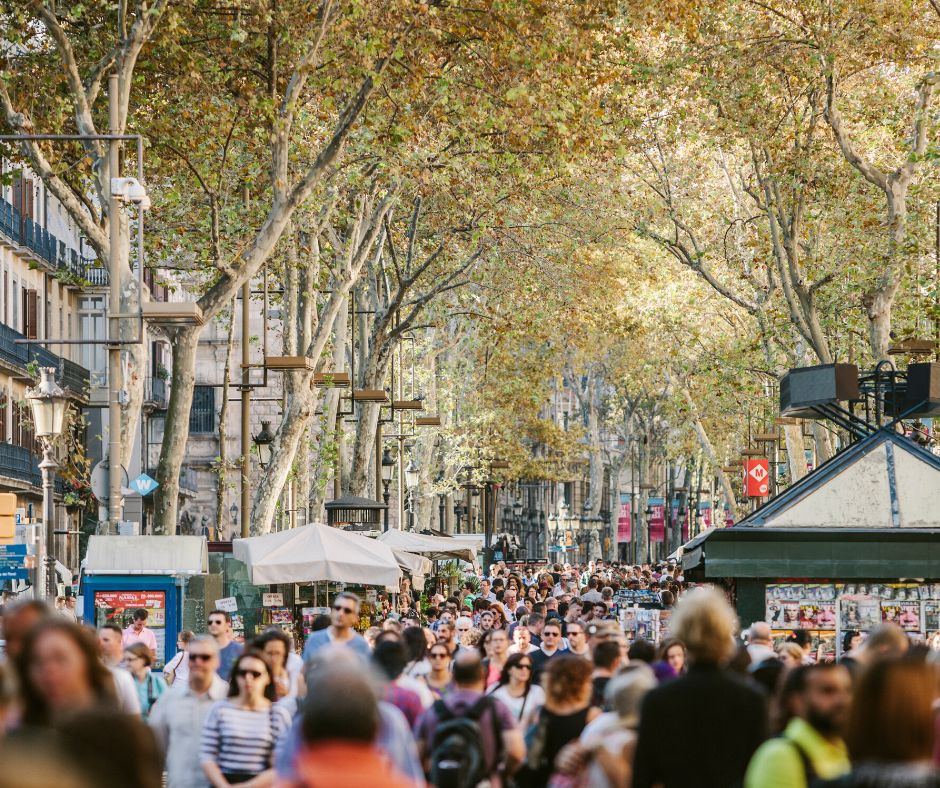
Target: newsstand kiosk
(121,574)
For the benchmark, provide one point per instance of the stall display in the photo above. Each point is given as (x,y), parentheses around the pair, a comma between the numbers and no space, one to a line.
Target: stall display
(640,623)
(117,607)
(828,610)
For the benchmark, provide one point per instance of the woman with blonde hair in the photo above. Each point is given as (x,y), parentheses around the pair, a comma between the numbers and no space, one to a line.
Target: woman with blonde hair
(790,654)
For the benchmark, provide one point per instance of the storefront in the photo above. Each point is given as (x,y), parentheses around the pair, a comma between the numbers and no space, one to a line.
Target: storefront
(852,545)
(164,575)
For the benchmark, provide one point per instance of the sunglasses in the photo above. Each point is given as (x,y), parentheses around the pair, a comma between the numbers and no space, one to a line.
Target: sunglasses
(216,621)
(550,635)
(344,609)
(524,666)
(255,674)
(193,657)
(438,656)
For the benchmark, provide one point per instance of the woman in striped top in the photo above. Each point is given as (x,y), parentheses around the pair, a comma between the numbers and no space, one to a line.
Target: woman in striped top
(241,732)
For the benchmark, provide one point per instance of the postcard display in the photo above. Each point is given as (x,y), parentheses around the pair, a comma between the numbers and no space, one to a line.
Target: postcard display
(641,616)
(828,610)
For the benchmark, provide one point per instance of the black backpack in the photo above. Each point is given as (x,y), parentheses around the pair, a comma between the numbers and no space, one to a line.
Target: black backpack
(457,756)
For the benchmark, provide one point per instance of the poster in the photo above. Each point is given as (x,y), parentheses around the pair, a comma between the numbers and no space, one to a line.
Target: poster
(118,607)
(909,619)
(657,519)
(624,533)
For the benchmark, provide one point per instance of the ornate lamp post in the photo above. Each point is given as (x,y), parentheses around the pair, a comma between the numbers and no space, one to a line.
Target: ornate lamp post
(412,472)
(263,441)
(48,403)
(388,468)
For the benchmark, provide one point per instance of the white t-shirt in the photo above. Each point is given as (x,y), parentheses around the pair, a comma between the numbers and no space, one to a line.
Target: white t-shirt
(180,667)
(128,699)
(523,707)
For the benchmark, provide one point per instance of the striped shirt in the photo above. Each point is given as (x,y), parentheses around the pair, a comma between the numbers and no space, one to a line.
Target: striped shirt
(242,741)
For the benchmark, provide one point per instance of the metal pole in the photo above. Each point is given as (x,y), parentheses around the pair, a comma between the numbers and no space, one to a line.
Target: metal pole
(115,382)
(45,553)
(385,498)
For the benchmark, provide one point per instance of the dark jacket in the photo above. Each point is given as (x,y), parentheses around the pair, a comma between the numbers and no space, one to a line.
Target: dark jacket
(726,720)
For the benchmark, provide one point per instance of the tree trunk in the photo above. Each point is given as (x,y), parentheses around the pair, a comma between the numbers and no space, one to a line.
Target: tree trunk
(222,470)
(176,429)
(357,480)
(796,459)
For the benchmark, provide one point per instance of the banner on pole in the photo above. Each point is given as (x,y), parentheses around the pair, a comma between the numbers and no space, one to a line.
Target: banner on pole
(624,531)
(757,477)
(657,520)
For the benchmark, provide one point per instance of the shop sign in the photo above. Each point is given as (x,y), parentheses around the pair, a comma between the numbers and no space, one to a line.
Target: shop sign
(272,600)
(227,604)
(757,477)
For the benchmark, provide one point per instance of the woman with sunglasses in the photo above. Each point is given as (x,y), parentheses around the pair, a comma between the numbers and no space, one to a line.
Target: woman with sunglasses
(439,678)
(516,690)
(241,732)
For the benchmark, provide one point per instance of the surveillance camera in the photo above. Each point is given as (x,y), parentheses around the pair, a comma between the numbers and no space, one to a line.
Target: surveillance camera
(130,190)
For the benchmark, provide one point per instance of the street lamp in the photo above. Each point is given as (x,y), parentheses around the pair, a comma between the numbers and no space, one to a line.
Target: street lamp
(412,471)
(263,441)
(48,404)
(388,468)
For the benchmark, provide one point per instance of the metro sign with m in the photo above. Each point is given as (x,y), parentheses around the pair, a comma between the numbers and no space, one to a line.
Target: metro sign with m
(757,477)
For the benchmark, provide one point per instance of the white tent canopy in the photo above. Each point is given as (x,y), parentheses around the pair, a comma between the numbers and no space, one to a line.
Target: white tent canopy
(434,547)
(147,555)
(417,566)
(317,552)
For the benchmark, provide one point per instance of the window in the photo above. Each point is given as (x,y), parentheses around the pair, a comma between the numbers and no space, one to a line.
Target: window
(202,413)
(91,325)
(30,314)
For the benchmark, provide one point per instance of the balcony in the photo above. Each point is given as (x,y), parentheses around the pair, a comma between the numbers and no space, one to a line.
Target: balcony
(47,248)
(72,376)
(156,393)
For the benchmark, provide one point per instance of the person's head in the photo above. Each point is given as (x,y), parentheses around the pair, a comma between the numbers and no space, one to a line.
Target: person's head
(802,639)
(892,718)
(535,622)
(519,667)
(522,638)
(551,635)
(851,640)
(607,656)
(140,618)
(574,610)
(468,671)
(275,645)
(445,631)
(487,617)
(499,643)
(60,672)
(439,657)
(252,677)
(390,657)
(202,653)
(790,654)
(341,704)
(109,641)
(509,598)
(641,650)
(485,587)
(759,634)
(18,619)
(416,643)
(668,599)
(551,604)
(624,693)
(345,610)
(219,624)
(705,622)
(886,641)
(138,658)
(463,625)
(567,680)
(183,639)
(577,637)
(672,652)
(820,694)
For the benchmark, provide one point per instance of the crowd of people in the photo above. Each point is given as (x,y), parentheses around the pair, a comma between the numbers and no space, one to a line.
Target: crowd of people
(518,679)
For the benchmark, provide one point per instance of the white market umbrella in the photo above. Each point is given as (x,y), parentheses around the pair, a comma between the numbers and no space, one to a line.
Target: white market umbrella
(437,548)
(314,553)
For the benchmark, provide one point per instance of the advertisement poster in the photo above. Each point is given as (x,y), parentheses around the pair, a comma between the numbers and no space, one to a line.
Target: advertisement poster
(623,519)
(757,477)
(118,607)
(657,519)
(705,509)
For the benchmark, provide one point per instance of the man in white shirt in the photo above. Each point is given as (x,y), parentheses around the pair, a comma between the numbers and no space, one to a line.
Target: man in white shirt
(112,653)
(178,715)
(759,643)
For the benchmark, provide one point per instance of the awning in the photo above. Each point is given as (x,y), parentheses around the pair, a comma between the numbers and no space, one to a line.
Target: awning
(436,548)
(317,552)
(147,555)
(417,566)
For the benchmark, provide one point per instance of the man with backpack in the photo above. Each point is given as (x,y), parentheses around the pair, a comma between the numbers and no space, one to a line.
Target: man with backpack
(469,738)
(817,699)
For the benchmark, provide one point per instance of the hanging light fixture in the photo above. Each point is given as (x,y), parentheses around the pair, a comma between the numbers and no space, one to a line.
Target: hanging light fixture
(263,441)
(411,473)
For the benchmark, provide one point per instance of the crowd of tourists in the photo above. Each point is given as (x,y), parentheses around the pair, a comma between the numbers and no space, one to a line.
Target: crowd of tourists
(517,679)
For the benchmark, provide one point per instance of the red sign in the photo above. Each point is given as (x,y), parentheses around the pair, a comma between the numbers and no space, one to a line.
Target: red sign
(657,521)
(705,508)
(757,477)
(624,532)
